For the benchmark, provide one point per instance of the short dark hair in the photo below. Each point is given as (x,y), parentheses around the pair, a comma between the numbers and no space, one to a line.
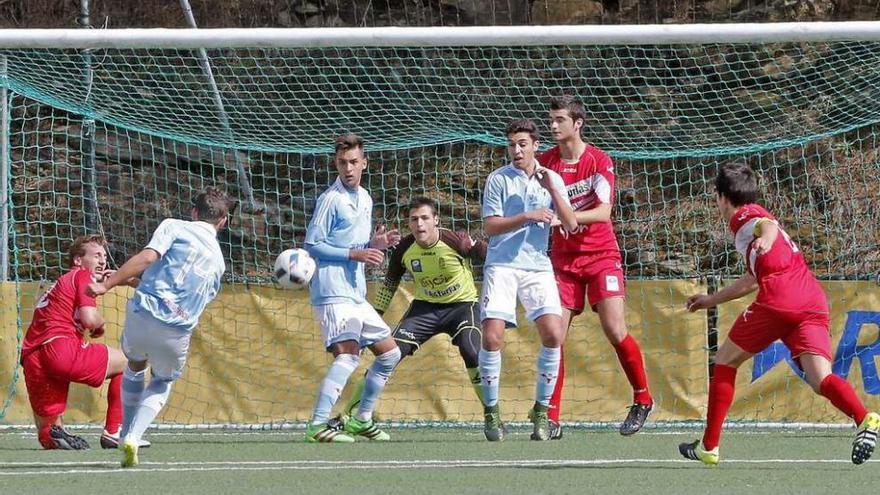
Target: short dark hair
(347,142)
(570,103)
(737,182)
(419,201)
(78,246)
(212,204)
(523,125)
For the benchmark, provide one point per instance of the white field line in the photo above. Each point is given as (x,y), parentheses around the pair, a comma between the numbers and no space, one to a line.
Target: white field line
(10,468)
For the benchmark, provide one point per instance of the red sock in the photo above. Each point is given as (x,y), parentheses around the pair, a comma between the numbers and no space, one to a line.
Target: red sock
(43,437)
(721,391)
(842,395)
(114,405)
(630,356)
(556,398)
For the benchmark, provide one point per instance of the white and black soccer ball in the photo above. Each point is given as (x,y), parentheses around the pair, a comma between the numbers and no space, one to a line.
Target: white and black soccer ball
(294,269)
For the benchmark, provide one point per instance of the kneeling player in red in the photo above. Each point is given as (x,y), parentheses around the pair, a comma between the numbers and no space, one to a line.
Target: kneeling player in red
(54,352)
(790,306)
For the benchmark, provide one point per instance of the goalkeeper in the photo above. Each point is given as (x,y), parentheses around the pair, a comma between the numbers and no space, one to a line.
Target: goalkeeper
(439,260)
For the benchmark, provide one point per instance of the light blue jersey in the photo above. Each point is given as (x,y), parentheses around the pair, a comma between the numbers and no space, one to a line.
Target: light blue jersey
(177,287)
(342,221)
(509,192)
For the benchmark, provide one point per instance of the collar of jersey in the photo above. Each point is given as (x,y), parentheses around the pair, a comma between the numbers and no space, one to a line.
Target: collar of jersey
(521,172)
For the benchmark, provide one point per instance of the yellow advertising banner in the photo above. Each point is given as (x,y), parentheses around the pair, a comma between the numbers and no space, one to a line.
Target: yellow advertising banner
(768,387)
(256,357)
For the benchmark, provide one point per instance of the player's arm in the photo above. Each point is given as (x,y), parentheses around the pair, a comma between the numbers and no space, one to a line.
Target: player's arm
(87,314)
(131,269)
(766,232)
(603,185)
(741,287)
(550,181)
(494,221)
(395,272)
(317,233)
(465,245)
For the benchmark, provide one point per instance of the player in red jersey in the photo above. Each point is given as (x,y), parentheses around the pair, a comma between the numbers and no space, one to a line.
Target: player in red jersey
(790,306)
(587,262)
(54,352)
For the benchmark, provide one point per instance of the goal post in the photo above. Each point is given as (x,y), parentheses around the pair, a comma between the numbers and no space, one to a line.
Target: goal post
(799,102)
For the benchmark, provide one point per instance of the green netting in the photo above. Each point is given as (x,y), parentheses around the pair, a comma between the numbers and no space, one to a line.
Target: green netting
(805,115)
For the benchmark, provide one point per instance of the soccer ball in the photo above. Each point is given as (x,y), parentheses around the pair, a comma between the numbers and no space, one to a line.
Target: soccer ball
(294,269)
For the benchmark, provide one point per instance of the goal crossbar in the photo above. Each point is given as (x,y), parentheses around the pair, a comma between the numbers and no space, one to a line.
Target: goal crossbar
(440,36)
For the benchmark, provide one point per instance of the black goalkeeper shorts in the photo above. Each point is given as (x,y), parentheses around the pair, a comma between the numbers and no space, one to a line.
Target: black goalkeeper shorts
(423,320)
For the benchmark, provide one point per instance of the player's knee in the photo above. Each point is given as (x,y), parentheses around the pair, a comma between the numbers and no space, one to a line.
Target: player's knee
(389,359)
(349,360)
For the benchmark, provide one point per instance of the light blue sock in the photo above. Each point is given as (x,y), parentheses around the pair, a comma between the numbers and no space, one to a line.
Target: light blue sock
(374,382)
(132,390)
(548,372)
(331,387)
(152,401)
(490,374)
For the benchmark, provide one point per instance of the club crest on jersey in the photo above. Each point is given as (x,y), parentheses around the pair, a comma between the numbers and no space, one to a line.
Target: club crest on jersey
(416,265)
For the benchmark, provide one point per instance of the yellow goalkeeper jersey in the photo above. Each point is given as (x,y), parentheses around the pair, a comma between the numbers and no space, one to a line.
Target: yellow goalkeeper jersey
(443,272)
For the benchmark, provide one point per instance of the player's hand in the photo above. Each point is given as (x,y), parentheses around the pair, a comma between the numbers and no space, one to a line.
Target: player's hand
(761,245)
(102,275)
(96,332)
(96,289)
(698,302)
(370,256)
(542,215)
(556,222)
(544,179)
(384,239)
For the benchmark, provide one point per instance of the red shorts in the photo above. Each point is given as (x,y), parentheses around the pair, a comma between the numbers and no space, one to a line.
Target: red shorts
(596,276)
(49,370)
(802,332)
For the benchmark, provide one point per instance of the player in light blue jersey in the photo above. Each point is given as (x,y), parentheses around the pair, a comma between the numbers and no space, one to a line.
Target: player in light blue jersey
(519,202)
(340,239)
(180,271)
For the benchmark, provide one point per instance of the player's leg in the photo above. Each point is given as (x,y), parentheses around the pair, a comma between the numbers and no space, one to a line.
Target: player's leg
(537,292)
(166,349)
(377,337)
(415,328)
(341,329)
(463,323)
(497,312)
(753,331)
(606,294)
(387,355)
(116,364)
(572,292)
(810,343)
(47,394)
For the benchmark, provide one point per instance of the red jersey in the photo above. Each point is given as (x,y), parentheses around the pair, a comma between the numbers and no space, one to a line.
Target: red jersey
(590,182)
(784,280)
(57,312)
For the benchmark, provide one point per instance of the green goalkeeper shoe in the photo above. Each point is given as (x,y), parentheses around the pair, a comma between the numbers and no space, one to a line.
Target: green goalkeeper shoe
(494,428)
(538,417)
(331,432)
(695,452)
(866,438)
(366,429)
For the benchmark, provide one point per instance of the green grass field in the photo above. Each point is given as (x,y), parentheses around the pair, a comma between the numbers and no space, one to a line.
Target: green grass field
(426,461)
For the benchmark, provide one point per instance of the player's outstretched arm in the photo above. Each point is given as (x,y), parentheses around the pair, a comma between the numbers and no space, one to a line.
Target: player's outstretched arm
(132,268)
(743,286)
(395,272)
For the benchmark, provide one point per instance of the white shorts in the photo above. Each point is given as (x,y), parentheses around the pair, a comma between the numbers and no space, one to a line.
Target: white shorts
(148,339)
(502,286)
(351,321)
